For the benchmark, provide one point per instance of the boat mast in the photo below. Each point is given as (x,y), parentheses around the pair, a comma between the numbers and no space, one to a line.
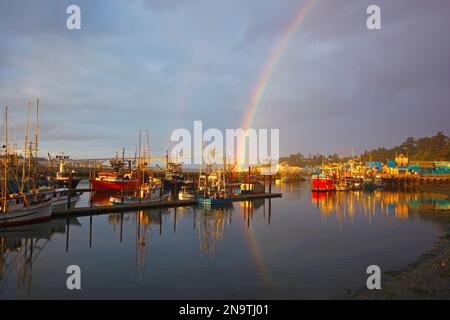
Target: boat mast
(25,149)
(5,175)
(139,171)
(200,171)
(225,174)
(139,152)
(36,138)
(148,150)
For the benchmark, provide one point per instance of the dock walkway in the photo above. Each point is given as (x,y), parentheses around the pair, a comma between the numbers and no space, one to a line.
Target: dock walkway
(96,210)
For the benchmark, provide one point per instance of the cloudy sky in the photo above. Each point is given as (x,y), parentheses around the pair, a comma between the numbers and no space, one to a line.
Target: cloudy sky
(163,64)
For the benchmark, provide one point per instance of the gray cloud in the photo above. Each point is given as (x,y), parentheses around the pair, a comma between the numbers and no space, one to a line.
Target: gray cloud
(162,64)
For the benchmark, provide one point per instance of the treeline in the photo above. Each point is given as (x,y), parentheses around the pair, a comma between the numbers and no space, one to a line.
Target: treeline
(300,160)
(426,148)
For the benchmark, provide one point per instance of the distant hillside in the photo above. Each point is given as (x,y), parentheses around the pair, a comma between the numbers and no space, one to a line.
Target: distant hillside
(426,148)
(313,160)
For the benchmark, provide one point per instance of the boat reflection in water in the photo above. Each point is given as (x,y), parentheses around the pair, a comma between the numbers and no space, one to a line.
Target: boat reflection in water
(287,247)
(390,203)
(21,246)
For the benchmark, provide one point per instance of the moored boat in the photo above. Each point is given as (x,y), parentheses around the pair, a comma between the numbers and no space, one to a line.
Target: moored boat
(114,181)
(186,194)
(20,211)
(24,207)
(216,201)
(173,177)
(59,197)
(342,186)
(379,183)
(148,194)
(322,182)
(65,179)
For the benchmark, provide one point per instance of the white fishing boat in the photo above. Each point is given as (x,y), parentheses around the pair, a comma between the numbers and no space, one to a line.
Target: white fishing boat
(148,194)
(59,197)
(23,210)
(23,207)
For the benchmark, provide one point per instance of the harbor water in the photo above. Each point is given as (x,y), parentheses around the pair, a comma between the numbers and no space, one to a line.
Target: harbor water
(301,246)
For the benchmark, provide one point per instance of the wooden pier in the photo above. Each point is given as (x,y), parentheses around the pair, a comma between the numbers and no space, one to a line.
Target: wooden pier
(412,180)
(97,210)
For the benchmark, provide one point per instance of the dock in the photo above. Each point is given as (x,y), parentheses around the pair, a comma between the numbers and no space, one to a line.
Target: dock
(97,210)
(411,180)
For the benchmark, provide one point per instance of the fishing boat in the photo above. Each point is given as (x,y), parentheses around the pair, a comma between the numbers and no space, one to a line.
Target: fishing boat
(355,183)
(114,181)
(216,200)
(173,177)
(20,209)
(59,197)
(214,191)
(186,194)
(148,194)
(23,208)
(379,183)
(368,184)
(322,182)
(342,186)
(64,178)
(117,180)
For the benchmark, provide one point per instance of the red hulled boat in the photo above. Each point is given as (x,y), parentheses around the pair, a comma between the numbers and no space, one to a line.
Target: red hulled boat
(115,181)
(322,182)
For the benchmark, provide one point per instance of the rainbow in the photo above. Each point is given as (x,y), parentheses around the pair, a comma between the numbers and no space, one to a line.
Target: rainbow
(269,66)
(252,109)
(255,250)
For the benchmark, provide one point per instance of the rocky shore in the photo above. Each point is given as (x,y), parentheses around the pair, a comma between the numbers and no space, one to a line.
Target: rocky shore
(427,278)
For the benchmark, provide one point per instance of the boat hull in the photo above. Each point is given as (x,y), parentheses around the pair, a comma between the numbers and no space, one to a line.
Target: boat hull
(213,202)
(136,200)
(26,216)
(186,196)
(98,185)
(322,183)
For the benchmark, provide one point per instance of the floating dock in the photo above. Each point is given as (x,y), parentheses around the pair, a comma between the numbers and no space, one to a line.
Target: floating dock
(96,210)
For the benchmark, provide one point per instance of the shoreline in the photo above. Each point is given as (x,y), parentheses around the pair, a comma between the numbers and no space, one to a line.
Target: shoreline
(426,278)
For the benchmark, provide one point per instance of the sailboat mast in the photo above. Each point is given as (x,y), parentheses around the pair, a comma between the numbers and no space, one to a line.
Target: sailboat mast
(5,175)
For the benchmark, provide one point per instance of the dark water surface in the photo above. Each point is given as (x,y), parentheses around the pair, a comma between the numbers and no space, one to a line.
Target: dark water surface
(303,245)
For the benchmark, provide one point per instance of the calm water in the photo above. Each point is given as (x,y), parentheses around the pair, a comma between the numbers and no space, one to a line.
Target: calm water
(303,245)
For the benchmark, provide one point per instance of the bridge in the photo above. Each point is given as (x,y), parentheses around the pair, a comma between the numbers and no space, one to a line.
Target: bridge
(98,162)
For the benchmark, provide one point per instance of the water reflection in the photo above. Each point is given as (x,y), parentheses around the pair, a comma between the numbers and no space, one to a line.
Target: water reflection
(210,226)
(344,205)
(21,246)
(264,248)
